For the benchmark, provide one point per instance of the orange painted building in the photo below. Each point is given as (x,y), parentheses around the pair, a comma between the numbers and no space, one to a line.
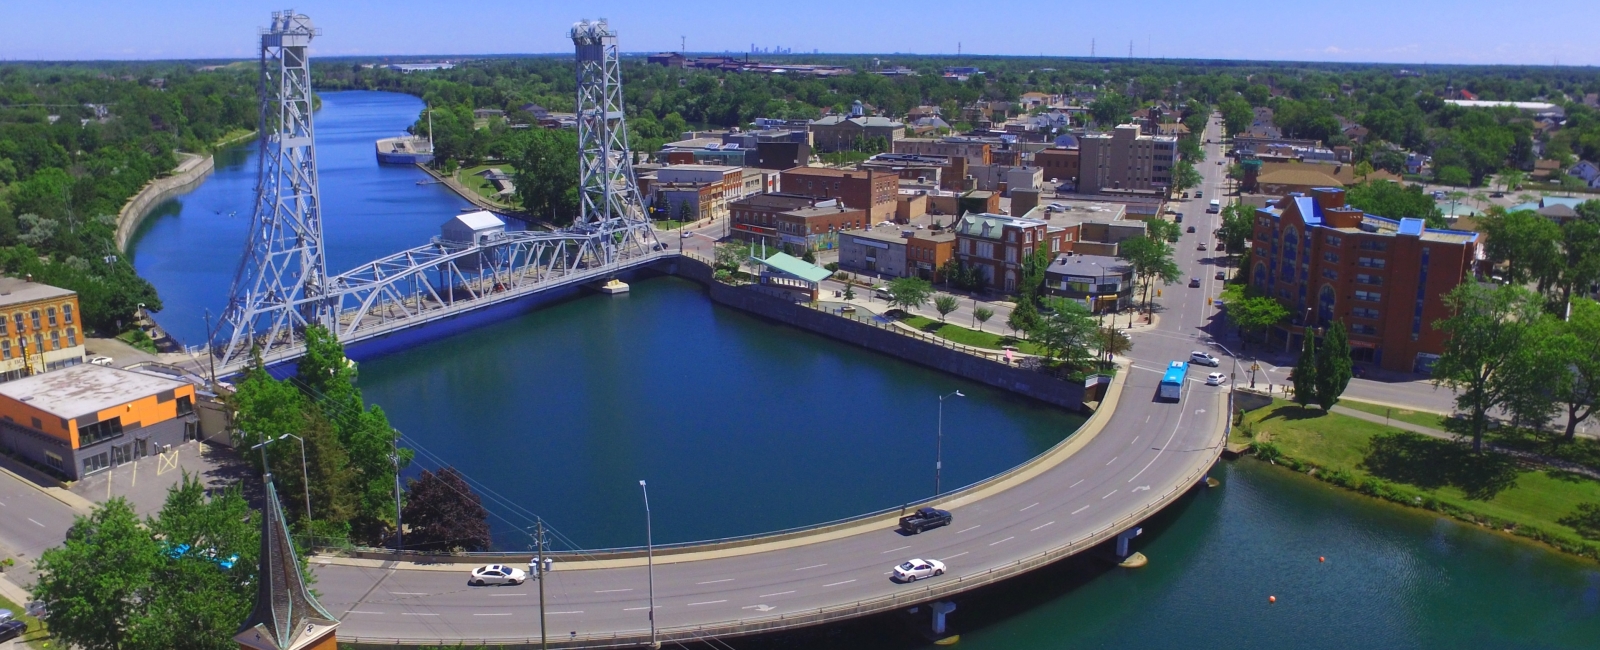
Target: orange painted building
(86,418)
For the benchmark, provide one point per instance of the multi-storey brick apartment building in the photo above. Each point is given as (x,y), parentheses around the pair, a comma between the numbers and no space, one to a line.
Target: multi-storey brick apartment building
(1384,278)
(996,245)
(1124,159)
(868,190)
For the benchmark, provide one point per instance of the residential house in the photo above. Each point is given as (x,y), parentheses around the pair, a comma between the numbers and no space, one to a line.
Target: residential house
(1586,171)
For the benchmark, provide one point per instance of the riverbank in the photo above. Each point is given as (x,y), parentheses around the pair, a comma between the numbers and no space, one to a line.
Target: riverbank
(189,173)
(1493,491)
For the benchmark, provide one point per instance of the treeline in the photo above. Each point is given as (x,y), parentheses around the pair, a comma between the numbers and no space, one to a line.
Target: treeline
(76,142)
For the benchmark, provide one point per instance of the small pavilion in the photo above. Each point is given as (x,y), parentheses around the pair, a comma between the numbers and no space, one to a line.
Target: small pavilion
(787,272)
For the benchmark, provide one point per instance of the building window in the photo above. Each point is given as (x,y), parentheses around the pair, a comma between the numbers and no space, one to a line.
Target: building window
(55,339)
(5,348)
(102,430)
(185,405)
(1362,278)
(20,327)
(1422,294)
(1368,296)
(35,315)
(53,461)
(1330,274)
(66,313)
(1363,329)
(38,344)
(1371,262)
(1364,312)
(50,314)
(1330,257)
(72,336)
(1373,245)
(1333,240)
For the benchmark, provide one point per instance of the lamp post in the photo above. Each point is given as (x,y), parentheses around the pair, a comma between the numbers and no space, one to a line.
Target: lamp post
(938,445)
(650,562)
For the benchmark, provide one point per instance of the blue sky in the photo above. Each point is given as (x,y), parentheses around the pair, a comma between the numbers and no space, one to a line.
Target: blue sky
(1403,31)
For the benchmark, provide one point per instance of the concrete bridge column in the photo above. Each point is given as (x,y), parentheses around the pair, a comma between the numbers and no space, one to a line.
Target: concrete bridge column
(940,609)
(1129,560)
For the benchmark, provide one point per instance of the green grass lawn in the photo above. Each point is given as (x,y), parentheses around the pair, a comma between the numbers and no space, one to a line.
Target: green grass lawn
(1420,418)
(974,338)
(1408,468)
(36,634)
(482,186)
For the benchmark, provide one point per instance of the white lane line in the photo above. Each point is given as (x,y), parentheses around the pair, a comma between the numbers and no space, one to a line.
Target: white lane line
(640,609)
(1002,541)
(1108,495)
(612,591)
(357,611)
(814,566)
(1182,407)
(953,556)
(572,612)
(1147,419)
(407,593)
(36,523)
(835,584)
(499,614)
(895,549)
(416,614)
(1025,508)
(712,582)
(708,602)
(1074,484)
(1080,510)
(781,593)
(1113,460)
(1041,526)
(1134,440)
(505,595)
(967,529)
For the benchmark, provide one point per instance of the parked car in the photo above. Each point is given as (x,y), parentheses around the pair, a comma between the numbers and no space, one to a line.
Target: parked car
(912,570)
(100,361)
(12,629)
(497,574)
(1191,228)
(1198,194)
(1358,371)
(1222,275)
(1204,359)
(1177,218)
(923,519)
(1215,379)
(1194,282)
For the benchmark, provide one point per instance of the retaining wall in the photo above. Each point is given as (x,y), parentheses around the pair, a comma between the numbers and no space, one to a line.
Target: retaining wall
(158,190)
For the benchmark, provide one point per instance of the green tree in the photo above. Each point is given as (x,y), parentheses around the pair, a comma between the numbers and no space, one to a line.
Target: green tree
(731,255)
(1066,331)
(981,315)
(1023,317)
(1452,175)
(443,513)
(1237,114)
(1362,170)
(1162,230)
(545,165)
(1151,260)
(1185,177)
(1489,327)
(849,291)
(1527,244)
(1511,179)
(944,303)
(1305,371)
(1111,342)
(1579,266)
(1238,227)
(1334,367)
(1394,201)
(93,581)
(1252,315)
(909,293)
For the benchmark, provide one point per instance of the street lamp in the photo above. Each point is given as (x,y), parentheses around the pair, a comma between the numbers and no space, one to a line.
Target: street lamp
(650,559)
(938,445)
(305,476)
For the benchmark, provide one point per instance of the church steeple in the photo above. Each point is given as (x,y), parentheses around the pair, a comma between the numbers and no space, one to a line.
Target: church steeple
(287,616)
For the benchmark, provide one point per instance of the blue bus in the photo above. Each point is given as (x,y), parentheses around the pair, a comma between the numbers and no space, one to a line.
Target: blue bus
(1172,382)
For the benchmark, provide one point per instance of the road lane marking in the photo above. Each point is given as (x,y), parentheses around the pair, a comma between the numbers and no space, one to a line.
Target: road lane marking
(1163,448)
(504,595)
(640,609)
(407,593)
(612,591)
(763,607)
(895,549)
(814,566)
(1003,540)
(1074,484)
(36,523)
(712,582)
(499,614)
(781,593)
(416,614)
(708,602)
(1135,439)
(835,584)
(357,611)
(1025,508)
(1142,487)
(1080,510)
(967,529)
(953,556)
(572,612)
(1041,526)
(1113,460)
(1108,495)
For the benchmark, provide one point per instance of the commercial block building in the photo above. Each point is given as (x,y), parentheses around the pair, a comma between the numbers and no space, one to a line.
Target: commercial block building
(873,251)
(83,419)
(995,245)
(41,328)
(1103,284)
(705,189)
(817,228)
(974,151)
(1385,279)
(755,218)
(1125,159)
(927,252)
(868,190)
(1060,165)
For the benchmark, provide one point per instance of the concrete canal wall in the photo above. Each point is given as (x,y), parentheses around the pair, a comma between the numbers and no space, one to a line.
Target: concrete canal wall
(193,169)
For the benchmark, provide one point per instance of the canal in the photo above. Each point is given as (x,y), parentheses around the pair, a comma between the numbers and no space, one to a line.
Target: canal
(742,425)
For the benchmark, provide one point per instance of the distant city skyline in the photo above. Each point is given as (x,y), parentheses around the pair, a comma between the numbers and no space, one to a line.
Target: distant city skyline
(1416,32)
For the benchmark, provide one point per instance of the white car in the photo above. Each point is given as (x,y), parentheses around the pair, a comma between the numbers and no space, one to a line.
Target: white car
(100,361)
(1203,359)
(911,570)
(1215,379)
(497,574)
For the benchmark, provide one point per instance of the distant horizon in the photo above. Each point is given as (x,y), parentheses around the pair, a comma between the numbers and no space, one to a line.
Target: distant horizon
(1419,32)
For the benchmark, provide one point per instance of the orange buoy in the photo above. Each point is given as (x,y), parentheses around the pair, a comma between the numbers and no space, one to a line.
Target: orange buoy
(1322,559)
(1272,599)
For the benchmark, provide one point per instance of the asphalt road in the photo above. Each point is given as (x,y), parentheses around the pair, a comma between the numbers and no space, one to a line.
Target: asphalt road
(30,522)
(1146,449)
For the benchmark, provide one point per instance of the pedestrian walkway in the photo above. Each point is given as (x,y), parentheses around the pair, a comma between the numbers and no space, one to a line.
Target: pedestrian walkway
(1446,435)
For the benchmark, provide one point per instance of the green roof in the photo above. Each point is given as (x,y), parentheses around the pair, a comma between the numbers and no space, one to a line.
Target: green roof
(796,267)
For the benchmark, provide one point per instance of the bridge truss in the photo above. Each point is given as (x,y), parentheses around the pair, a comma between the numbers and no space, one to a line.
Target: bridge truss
(282,285)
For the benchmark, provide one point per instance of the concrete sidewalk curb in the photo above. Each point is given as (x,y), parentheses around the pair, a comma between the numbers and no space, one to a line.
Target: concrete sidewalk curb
(78,504)
(1392,405)
(1063,450)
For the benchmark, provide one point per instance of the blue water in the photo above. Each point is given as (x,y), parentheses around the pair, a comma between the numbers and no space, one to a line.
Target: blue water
(190,246)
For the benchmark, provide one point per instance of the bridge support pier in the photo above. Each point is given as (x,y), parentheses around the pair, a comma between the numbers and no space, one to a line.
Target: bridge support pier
(1210,482)
(1126,559)
(940,609)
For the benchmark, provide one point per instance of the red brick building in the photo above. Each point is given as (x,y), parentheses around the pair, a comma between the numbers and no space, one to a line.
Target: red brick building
(755,218)
(996,245)
(867,190)
(1059,164)
(1385,279)
(927,252)
(817,228)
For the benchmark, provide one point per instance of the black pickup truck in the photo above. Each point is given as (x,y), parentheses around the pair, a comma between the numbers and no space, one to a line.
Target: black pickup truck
(923,519)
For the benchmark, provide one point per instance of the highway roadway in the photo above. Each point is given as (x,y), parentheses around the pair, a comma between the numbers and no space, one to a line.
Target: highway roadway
(1147,452)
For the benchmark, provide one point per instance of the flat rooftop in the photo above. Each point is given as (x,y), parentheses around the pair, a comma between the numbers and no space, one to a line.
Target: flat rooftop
(84,389)
(14,291)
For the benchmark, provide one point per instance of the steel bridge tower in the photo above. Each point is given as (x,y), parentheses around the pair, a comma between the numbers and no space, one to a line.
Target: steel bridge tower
(609,197)
(281,284)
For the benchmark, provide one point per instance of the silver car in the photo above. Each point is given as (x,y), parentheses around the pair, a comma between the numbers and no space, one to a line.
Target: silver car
(497,574)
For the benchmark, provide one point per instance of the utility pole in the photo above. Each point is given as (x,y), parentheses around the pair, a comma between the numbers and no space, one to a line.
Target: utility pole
(650,559)
(1091,48)
(210,353)
(399,529)
(543,641)
(938,445)
(683,44)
